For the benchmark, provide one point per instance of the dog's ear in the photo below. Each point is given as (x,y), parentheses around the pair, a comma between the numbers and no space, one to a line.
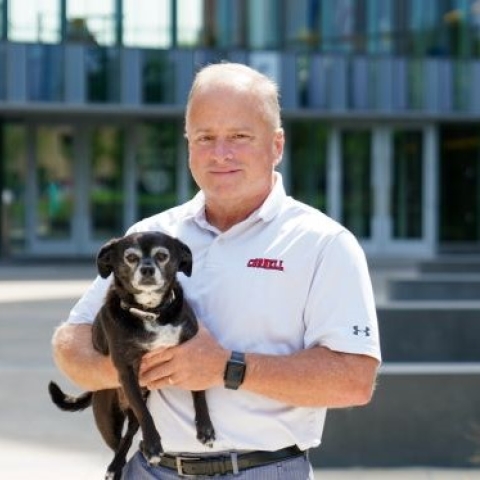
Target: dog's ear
(186,260)
(105,258)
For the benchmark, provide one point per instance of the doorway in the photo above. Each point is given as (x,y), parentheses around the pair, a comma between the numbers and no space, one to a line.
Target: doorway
(459,188)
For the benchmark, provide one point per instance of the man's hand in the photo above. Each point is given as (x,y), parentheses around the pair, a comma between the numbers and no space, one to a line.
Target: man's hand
(197,364)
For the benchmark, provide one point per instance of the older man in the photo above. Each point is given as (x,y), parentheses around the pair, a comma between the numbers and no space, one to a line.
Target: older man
(289,327)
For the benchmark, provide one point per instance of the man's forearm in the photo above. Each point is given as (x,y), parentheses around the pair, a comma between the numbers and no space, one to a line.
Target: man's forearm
(75,356)
(313,378)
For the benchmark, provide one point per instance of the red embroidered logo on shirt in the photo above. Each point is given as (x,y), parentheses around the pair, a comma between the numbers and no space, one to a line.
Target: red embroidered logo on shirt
(266,263)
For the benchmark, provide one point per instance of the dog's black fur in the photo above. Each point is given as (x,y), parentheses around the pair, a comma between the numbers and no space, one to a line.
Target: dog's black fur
(144,308)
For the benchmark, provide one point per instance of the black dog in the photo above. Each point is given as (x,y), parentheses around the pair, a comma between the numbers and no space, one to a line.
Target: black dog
(144,308)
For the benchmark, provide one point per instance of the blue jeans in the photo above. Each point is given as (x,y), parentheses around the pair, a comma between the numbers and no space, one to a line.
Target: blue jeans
(297,468)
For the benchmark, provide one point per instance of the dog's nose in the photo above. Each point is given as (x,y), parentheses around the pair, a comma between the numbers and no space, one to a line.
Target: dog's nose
(147,270)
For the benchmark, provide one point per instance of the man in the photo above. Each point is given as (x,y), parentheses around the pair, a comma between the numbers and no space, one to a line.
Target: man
(275,281)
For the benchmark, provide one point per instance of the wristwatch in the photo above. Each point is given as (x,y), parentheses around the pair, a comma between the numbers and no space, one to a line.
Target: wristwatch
(235,371)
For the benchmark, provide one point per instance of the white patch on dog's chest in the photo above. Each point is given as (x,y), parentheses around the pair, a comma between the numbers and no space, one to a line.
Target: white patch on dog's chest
(164,335)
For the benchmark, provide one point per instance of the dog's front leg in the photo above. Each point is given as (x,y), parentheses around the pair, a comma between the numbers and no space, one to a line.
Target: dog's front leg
(151,445)
(205,430)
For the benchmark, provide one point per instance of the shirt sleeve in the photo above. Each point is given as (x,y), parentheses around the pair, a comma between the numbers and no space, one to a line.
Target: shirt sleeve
(340,312)
(85,310)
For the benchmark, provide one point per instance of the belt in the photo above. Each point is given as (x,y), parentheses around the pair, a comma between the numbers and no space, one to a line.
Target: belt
(227,463)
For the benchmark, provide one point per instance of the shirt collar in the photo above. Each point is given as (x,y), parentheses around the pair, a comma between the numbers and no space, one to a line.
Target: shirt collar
(267,211)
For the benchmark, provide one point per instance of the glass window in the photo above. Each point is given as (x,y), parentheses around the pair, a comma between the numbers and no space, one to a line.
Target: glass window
(308,144)
(106,191)
(34,21)
(443,28)
(157,167)
(158,77)
(302,19)
(407,184)
(2,20)
(45,73)
(380,25)
(224,24)
(475,27)
(356,182)
(3,71)
(342,26)
(147,23)
(189,22)
(54,182)
(103,72)
(263,24)
(13,152)
(91,21)
(460,184)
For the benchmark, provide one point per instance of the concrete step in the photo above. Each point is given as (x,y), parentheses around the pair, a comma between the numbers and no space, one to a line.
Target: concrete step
(452,286)
(451,264)
(413,419)
(431,333)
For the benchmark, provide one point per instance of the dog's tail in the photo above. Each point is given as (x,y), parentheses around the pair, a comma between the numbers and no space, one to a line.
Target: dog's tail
(67,402)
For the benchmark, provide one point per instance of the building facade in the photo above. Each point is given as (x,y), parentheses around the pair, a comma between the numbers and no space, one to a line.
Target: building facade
(380,98)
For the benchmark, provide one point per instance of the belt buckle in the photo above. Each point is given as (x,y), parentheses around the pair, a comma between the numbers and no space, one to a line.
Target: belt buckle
(178,464)
(233,458)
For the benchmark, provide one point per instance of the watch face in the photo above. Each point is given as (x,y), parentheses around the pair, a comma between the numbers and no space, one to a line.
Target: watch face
(235,371)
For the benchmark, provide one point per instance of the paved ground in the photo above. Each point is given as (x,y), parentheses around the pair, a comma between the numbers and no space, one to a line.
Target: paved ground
(38,441)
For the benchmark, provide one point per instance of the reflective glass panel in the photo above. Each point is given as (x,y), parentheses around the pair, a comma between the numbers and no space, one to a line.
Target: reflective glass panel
(54,182)
(2,26)
(459,215)
(103,73)
(263,24)
(189,23)
(308,154)
(157,167)
(45,73)
(147,23)
(225,24)
(380,34)
(158,77)
(356,182)
(34,21)
(302,19)
(407,184)
(13,150)
(106,189)
(339,24)
(91,21)
(3,71)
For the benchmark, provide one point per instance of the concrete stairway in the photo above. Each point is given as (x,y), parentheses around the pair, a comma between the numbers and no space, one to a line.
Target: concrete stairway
(426,408)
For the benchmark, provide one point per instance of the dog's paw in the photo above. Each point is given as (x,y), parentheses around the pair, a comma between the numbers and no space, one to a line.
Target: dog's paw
(153,455)
(206,435)
(113,475)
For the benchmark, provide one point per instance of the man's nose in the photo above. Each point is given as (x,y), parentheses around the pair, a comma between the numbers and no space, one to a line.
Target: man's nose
(222,150)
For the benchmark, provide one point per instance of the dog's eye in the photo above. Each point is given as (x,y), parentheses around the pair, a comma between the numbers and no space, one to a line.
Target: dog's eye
(131,258)
(161,257)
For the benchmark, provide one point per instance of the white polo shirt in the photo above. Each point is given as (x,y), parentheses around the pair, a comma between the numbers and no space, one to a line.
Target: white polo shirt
(285,279)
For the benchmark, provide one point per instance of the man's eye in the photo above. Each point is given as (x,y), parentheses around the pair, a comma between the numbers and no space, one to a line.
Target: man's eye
(205,139)
(239,137)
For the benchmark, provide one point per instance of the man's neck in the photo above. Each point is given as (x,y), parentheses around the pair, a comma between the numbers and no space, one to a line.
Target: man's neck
(224,216)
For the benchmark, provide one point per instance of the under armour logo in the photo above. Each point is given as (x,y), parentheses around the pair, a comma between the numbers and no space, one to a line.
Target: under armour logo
(365,331)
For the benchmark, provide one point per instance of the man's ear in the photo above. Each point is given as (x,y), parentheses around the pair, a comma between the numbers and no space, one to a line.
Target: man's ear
(105,258)
(186,260)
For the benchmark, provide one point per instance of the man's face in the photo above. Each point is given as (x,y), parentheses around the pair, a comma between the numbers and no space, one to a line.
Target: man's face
(233,150)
